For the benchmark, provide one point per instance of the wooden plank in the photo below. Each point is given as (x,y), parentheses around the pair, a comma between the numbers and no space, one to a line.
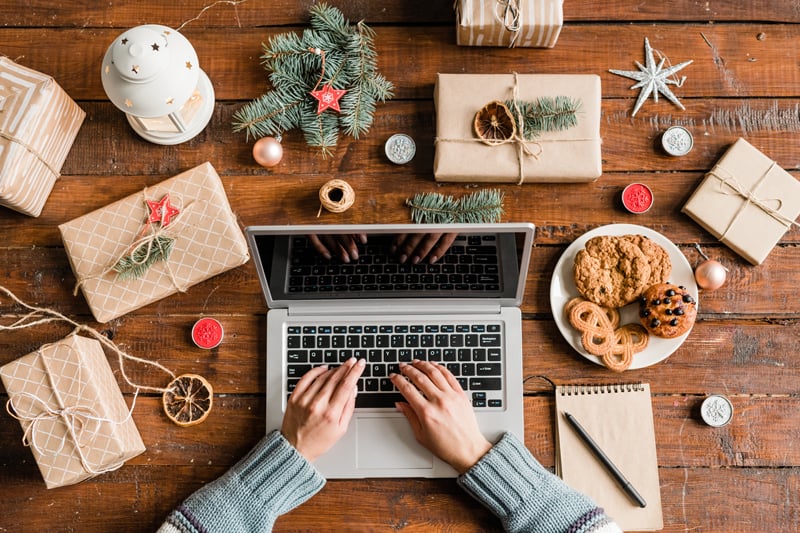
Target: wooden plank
(725,62)
(254,13)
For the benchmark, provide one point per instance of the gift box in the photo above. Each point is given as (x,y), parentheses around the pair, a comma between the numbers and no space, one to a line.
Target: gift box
(530,23)
(567,156)
(71,411)
(38,124)
(746,201)
(187,219)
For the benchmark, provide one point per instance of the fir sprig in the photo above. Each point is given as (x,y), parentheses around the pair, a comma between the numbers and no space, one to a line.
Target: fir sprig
(484,206)
(545,114)
(145,255)
(295,69)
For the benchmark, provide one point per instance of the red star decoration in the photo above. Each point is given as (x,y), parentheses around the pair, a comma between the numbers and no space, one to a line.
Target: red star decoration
(328,98)
(162,211)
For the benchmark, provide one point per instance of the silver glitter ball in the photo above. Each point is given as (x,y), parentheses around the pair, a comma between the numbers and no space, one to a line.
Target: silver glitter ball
(716,410)
(677,141)
(400,148)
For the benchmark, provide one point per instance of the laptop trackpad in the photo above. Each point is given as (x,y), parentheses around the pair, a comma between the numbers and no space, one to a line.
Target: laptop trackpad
(389,443)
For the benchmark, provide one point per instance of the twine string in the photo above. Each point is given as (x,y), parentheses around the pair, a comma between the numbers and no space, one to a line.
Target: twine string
(510,18)
(38,155)
(43,315)
(344,193)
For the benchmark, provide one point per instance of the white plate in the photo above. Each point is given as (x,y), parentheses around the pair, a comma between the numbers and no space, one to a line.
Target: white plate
(562,289)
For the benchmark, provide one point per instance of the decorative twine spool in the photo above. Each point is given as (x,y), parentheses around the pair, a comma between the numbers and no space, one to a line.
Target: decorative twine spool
(337,196)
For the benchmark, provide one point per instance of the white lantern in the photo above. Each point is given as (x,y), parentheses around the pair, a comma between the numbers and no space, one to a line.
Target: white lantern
(152,74)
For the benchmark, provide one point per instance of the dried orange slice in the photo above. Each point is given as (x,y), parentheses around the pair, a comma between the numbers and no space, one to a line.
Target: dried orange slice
(494,123)
(188,399)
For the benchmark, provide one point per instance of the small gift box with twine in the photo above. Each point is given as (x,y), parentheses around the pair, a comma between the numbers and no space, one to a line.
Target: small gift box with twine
(71,410)
(525,23)
(38,124)
(557,151)
(746,201)
(154,243)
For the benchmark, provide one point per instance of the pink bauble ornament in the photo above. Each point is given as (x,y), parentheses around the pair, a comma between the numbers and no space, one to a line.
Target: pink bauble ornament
(710,275)
(268,151)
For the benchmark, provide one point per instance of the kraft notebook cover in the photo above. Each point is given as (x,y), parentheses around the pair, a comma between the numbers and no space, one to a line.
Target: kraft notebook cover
(619,418)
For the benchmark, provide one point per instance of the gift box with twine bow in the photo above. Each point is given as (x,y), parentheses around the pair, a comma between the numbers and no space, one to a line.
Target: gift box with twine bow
(524,23)
(71,410)
(746,201)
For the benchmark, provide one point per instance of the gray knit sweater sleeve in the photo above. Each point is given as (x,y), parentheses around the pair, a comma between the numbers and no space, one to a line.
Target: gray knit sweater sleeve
(526,496)
(269,481)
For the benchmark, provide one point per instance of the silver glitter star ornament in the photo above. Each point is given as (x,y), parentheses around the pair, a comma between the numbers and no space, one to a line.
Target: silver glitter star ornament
(653,78)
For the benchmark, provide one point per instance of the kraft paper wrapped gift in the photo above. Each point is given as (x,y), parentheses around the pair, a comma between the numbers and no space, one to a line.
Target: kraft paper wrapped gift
(38,124)
(71,411)
(746,201)
(568,156)
(207,242)
(528,23)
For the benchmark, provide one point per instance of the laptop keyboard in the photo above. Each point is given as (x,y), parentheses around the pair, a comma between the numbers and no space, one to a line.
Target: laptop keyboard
(471,263)
(472,352)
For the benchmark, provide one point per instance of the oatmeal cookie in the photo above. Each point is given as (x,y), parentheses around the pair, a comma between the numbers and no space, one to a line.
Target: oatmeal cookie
(667,310)
(611,271)
(657,257)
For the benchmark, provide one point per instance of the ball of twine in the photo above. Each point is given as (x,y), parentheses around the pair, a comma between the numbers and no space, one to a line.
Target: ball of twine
(337,196)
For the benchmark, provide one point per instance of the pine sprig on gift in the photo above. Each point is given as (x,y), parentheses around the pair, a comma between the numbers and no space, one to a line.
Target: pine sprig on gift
(145,255)
(547,113)
(484,206)
(332,51)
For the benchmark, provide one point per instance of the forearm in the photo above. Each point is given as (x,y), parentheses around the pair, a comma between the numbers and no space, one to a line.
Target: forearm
(527,497)
(271,480)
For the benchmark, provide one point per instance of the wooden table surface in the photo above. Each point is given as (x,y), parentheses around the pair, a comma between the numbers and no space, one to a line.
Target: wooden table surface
(744,82)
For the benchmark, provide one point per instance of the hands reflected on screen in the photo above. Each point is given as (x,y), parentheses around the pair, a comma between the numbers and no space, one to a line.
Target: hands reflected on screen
(342,247)
(418,247)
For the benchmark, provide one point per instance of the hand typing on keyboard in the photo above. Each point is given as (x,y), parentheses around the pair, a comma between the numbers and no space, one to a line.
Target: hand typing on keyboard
(320,408)
(440,414)
(419,247)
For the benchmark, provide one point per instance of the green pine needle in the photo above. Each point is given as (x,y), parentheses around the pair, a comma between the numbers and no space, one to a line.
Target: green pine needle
(294,71)
(135,265)
(545,114)
(484,206)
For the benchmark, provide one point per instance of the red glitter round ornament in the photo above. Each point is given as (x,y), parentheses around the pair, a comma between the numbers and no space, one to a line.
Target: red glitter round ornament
(637,198)
(207,333)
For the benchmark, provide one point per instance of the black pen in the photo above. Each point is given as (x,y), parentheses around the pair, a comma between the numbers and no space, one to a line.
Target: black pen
(624,483)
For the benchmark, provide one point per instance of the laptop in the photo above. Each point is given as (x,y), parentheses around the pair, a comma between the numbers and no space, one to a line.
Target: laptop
(461,310)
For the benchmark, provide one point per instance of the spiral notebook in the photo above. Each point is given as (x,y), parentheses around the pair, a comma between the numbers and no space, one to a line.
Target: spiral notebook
(619,418)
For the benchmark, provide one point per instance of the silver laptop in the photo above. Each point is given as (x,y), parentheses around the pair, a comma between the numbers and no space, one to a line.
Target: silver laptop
(461,310)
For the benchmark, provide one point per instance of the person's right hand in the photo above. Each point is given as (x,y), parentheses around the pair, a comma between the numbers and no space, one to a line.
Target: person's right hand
(440,414)
(416,247)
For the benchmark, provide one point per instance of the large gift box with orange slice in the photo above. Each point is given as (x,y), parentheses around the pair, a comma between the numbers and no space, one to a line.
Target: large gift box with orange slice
(154,243)
(747,201)
(38,124)
(528,23)
(480,137)
(71,410)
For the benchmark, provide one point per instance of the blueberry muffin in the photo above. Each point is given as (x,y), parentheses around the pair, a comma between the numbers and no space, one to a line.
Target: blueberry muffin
(667,310)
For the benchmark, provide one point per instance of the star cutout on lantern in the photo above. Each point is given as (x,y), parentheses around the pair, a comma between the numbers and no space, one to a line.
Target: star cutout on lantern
(328,98)
(653,78)
(162,211)
(125,41)
(189,65)
(135,69)
(155,47)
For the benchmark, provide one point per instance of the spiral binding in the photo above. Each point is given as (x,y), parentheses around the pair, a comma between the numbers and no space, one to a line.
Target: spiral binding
(598,388)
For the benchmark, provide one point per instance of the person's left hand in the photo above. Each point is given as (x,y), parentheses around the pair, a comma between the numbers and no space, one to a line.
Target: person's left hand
(320,408)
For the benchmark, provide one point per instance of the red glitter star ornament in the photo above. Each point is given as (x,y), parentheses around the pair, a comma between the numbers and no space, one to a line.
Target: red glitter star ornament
(328,98)
(162,211)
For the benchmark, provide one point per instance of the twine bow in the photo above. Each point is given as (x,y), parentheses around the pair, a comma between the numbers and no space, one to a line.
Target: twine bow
(77,419)
(510,18)
(734,187)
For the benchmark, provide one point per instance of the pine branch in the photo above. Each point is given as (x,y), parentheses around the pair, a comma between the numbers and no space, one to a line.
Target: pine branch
(484,206)
(545,114)
(144,256)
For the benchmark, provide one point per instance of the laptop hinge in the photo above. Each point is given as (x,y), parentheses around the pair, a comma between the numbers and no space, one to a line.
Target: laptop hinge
(381,309)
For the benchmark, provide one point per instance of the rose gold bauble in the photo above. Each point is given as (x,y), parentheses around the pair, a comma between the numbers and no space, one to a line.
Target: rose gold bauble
(710,275)
(267,151)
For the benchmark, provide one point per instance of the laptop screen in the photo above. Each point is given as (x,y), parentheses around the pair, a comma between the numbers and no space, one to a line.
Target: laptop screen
(369,262)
